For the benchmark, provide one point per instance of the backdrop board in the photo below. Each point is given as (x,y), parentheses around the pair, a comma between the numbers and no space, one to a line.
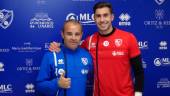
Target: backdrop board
(28,26)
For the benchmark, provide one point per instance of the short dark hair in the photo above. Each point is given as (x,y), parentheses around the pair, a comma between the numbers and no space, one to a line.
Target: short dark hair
(74,22)
(101,5)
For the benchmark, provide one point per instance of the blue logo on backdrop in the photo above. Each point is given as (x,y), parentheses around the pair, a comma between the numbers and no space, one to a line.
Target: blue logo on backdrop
(6,88)
(29,67)
(163,83)
(159,14)
(84,18)
(4,50)
(124,19)
(26,47)
(29,88)
(6,18)
(41,21)
(163,45)
(159,22)
(161,62)
(144,64)
(143,44)
(41,2)
(159,2)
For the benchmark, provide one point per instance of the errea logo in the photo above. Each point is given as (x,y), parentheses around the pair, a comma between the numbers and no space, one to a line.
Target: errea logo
(60,61)
(29,88)
(124,19)
(163,45)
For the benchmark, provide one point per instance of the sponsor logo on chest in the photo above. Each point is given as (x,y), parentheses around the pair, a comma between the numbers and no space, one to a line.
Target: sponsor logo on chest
(106,43)
(60,61)
(118,53)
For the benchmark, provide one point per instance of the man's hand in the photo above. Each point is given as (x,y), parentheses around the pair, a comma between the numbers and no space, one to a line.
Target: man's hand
(54,47)
(64,82)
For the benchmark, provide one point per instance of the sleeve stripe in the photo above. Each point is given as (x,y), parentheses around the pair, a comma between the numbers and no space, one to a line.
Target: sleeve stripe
(90,41)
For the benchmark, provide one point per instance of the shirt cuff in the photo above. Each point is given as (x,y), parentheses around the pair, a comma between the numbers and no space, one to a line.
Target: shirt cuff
(138,93)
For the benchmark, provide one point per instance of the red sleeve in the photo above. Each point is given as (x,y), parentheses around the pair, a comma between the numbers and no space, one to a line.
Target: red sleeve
(133,46)
(85,43)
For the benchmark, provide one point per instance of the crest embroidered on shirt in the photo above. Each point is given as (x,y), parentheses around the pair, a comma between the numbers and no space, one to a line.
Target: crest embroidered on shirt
(84,60)
(118,42)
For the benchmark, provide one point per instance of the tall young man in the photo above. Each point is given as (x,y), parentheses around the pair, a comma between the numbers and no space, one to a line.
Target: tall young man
(115,52)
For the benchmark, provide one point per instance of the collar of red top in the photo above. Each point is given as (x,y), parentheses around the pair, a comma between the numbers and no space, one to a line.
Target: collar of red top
(105,35)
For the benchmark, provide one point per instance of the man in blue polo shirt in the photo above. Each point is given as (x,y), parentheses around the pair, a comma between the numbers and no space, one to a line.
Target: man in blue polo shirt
(65,73)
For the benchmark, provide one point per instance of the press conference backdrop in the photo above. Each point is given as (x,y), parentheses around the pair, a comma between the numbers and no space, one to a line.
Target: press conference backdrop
(28,26)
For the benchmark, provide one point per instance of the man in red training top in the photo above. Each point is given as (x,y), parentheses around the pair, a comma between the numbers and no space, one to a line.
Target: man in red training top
(114,53)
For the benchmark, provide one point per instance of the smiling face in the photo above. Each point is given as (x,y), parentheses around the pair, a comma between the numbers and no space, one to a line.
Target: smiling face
(72,34)
(103,18)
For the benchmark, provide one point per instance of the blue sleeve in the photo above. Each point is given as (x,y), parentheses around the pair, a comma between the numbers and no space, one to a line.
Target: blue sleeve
(46,85)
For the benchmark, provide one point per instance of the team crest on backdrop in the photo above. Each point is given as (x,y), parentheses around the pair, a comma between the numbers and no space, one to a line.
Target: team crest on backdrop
(6,18)
(159,2)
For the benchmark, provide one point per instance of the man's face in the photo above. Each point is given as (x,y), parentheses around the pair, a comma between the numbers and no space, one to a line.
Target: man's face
(72,35)
(103,18)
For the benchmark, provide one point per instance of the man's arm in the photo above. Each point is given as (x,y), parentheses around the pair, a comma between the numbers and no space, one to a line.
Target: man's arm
(45,84)
(136,63)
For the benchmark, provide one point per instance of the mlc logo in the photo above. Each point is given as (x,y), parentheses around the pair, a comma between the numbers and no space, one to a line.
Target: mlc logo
(84,18)
(6,88)
(143,44)
(161,61)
